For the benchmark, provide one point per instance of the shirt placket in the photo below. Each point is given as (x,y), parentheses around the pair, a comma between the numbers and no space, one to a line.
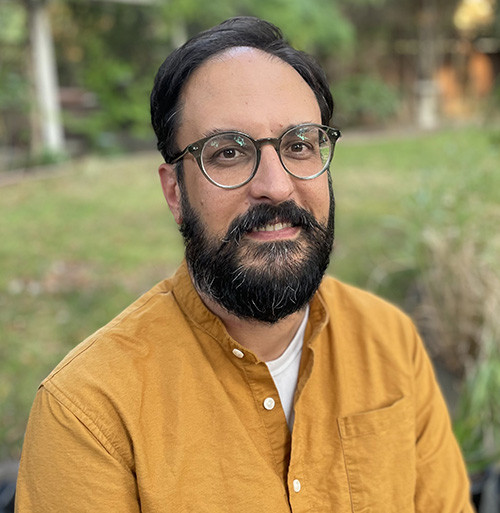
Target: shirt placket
(272,416)
(299,484)
(278,434)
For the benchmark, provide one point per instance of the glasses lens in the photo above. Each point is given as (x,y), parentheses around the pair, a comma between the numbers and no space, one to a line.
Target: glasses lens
(305,151)
(229,158)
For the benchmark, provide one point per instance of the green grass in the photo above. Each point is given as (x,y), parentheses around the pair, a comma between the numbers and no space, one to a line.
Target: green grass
(77,247)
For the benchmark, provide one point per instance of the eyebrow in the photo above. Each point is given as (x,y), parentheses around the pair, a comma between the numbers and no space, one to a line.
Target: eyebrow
(217,131)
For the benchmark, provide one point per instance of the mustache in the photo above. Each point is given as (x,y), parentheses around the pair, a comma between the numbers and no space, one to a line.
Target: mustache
(262,214)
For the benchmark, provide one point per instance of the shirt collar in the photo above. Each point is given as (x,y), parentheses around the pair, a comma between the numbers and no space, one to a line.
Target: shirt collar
(200,316)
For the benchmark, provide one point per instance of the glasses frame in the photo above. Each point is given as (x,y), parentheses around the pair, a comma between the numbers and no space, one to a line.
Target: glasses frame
(196,148)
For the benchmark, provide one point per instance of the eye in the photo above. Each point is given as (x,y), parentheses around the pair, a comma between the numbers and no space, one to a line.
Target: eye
(298,147)
(228,150)
(228,153)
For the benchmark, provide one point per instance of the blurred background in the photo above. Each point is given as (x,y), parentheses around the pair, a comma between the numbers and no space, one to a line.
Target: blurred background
(84,228)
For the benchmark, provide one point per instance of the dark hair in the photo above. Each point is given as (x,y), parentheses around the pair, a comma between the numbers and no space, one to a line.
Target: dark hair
(239,31)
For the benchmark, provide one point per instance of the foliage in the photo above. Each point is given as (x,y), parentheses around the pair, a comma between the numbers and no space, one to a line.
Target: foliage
(12,90)
(318,27)
(496,22)
(13,83)
(399,18)
(477,425)
(364,100)
(492,106)
(315,26)
(95,51)
(12,23)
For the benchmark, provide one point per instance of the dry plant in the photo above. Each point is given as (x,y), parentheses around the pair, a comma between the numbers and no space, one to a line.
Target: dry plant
(459,312)
(459,307)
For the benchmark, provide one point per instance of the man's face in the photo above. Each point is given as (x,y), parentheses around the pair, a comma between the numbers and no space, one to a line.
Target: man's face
(260,250)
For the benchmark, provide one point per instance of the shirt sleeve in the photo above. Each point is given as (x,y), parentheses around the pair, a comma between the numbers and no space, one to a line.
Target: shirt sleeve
(442,483)
(67,466)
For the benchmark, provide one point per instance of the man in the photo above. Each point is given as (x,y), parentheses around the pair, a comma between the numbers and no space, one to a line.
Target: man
(247,382)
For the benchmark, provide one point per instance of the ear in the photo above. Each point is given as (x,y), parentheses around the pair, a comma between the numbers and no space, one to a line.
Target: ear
(171,190)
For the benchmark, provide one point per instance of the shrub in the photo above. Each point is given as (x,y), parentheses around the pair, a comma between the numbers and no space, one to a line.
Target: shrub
(364,100)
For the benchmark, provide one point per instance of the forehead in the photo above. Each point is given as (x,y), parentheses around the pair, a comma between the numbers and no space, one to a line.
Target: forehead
(246,89)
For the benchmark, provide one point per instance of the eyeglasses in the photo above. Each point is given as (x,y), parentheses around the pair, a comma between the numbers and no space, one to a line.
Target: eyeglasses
(230,159)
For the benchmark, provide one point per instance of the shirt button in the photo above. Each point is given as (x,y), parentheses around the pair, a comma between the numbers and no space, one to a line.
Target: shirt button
(238,353)
(296,485)
(269,403)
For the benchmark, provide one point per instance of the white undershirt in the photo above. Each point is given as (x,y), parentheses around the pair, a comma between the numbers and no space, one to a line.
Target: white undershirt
(285,370)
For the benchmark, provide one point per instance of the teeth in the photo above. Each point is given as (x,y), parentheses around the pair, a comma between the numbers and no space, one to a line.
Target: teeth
(273,227)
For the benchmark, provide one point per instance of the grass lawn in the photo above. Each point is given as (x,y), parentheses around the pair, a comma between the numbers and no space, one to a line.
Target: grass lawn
(77,247)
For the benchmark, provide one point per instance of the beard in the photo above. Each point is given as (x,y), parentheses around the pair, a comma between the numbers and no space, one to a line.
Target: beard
(260,281)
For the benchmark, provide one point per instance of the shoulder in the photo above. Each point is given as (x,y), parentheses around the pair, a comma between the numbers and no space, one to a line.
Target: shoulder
(373,339)
(368,320)
(356,301)
(133,354)
(132,332)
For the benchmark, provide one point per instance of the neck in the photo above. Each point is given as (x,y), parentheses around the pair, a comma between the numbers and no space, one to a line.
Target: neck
(266,341)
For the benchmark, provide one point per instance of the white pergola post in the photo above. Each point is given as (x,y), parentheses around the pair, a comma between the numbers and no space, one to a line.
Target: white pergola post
(426,86)
(45,78)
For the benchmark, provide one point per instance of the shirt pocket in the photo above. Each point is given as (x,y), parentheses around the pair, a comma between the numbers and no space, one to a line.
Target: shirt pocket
(379,456)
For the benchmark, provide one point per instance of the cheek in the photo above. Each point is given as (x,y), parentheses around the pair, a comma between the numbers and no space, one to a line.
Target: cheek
(217,207)
(315,197)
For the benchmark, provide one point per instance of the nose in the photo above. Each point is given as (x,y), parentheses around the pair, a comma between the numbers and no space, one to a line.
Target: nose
(271,182)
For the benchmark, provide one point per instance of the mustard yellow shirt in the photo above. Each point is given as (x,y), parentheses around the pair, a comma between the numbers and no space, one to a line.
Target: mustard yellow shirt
(155,413)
